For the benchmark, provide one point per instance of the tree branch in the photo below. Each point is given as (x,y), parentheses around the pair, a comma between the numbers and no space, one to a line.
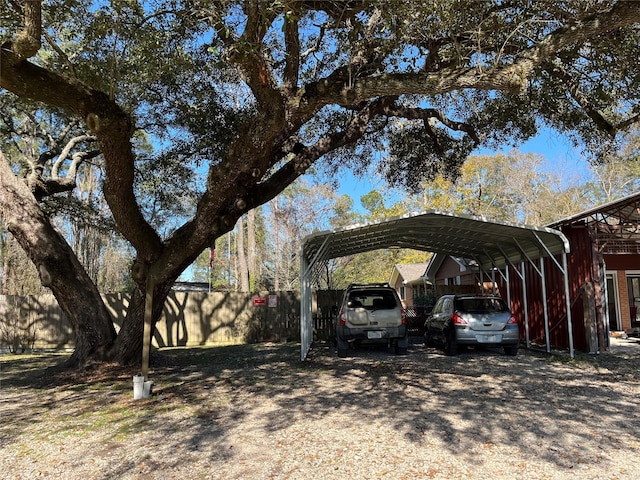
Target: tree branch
(301,162)
(510,77)
(42,187)
(52,186)
(557,70)
(427,114)
(107,121)
(66,152)
(292,45)
(60,52)
(628,122)
(245,52)
(27,42)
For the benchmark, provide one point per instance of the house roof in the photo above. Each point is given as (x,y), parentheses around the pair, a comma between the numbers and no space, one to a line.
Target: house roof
(437,260)
(410,272)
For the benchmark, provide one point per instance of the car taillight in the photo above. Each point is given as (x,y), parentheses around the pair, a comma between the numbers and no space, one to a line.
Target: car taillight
(403,316)
(343,319)
(512,320)
(457,319)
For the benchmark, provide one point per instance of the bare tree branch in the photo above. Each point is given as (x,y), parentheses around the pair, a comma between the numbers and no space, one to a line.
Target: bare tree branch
(52,186)
(64,155)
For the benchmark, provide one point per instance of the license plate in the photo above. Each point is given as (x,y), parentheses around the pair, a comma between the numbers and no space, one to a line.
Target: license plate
(372,335)
(489,338)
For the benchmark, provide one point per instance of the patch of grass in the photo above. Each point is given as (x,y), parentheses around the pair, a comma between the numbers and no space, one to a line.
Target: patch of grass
(564,359)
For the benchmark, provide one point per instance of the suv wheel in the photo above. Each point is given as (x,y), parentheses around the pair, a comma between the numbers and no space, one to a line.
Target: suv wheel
(342,352)
(401,350)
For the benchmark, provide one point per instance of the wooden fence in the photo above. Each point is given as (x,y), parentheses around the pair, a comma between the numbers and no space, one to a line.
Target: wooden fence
(188,319)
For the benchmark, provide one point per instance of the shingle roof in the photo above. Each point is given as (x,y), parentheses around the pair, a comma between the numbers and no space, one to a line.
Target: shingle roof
(411,271)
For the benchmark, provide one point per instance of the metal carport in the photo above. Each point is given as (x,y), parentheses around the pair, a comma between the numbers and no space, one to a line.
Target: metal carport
(492,245)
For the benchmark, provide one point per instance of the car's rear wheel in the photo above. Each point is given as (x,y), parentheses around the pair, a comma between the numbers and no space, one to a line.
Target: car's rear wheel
(342,346)
(450,344)
(511,350)
(401,350)
(427,337)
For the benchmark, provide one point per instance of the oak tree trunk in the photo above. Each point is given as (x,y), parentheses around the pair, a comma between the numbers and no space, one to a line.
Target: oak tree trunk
(58,267)
(127,348)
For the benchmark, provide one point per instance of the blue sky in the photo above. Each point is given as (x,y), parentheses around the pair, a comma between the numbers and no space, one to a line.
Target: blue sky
(561,157)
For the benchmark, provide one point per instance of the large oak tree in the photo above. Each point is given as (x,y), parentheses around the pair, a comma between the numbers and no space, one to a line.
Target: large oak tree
(255,92)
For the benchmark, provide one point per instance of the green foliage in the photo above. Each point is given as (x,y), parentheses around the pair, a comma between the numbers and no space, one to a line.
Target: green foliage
(416,156)
(179,68)
(425,299)
(343,213)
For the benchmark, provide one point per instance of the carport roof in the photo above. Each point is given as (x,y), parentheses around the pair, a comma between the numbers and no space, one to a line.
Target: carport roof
(491,244)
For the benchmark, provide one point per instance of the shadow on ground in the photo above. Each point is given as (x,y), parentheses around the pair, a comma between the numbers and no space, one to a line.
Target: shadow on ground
(480,397)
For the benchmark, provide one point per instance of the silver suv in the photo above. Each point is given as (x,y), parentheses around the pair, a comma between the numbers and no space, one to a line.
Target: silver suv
(371,313)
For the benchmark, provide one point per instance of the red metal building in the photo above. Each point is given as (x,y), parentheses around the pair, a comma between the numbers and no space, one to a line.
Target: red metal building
(603,271)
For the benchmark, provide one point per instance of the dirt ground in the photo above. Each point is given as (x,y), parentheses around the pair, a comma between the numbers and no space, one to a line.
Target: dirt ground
(257,412)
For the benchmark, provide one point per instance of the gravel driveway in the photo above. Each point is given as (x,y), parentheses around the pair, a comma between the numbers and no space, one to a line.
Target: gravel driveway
(256,412)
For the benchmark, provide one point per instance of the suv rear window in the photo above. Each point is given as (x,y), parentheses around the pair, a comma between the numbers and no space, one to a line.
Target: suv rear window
(474,305)
(372,299)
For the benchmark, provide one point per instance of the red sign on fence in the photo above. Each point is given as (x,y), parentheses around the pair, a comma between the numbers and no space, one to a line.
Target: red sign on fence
(259,302)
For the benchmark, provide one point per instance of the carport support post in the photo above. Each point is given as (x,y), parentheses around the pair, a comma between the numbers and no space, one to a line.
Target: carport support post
(306,311)
(523,277)
(544,305)
(568,303)
(493,281)
(506,271)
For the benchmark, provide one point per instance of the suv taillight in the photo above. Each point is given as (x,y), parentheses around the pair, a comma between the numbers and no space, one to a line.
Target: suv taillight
(403,316)
(512,320)
(457,319)
(342,321)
